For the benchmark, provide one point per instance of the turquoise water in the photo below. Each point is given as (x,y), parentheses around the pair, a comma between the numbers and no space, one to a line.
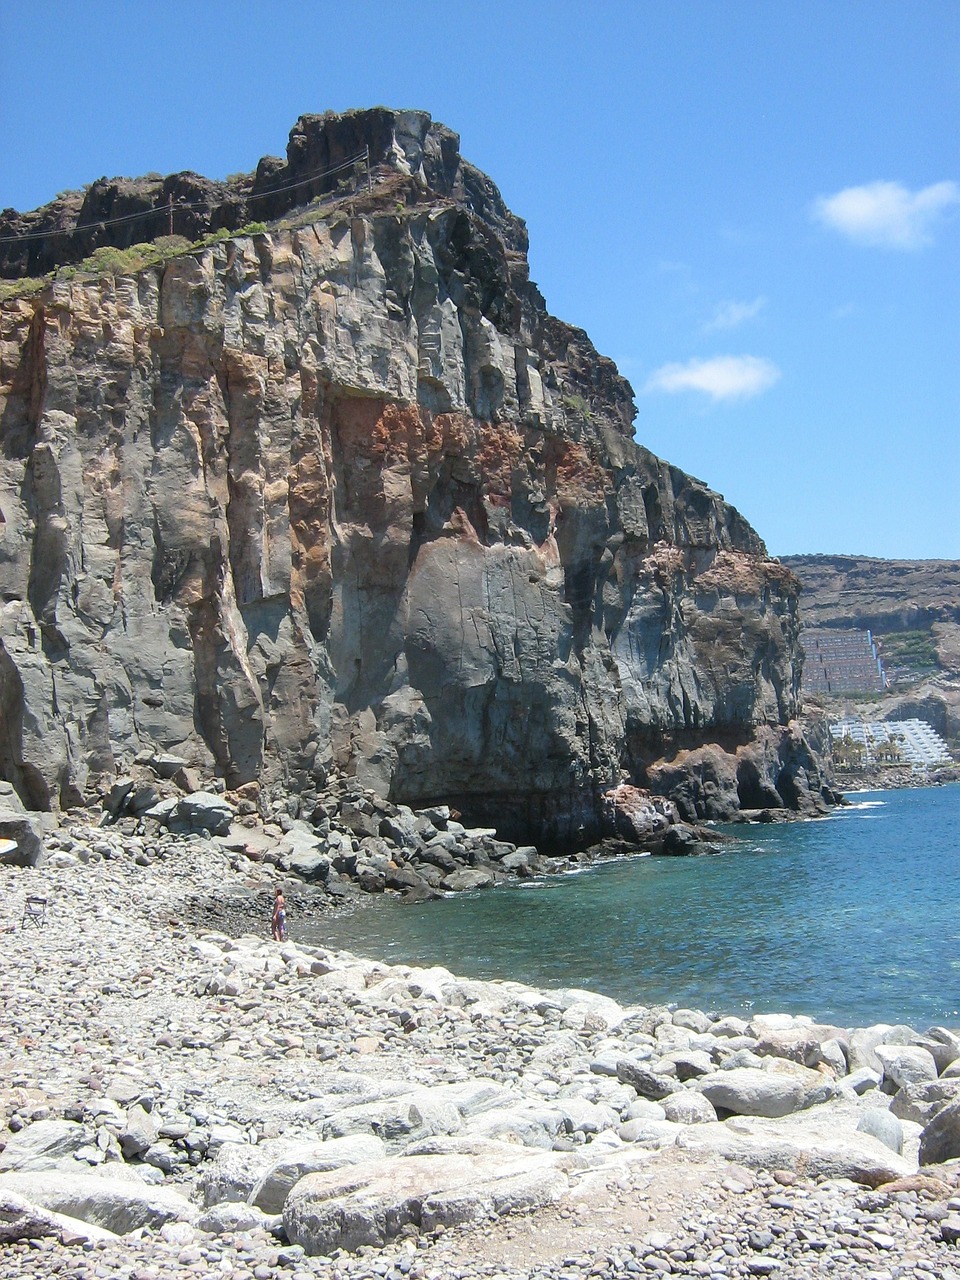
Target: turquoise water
(853,919)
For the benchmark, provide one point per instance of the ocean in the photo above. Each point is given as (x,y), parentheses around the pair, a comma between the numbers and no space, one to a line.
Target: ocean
(852,919)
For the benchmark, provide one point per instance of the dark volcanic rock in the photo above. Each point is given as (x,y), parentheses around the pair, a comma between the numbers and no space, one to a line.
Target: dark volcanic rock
(774,769)
(326,154)
(345,500)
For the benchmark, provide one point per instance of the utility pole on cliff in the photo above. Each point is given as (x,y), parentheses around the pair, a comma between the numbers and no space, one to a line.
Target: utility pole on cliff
(170,215)
(366,156)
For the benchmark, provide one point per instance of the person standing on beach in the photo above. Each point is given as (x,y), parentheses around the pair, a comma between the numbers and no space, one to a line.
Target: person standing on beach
(279,920)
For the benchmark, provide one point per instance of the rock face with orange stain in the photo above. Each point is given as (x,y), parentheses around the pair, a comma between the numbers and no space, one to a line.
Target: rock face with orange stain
(345,497)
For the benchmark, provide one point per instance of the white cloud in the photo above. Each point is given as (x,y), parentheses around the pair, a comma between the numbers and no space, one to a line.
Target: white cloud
(731,314)
(886,214)
(721,377)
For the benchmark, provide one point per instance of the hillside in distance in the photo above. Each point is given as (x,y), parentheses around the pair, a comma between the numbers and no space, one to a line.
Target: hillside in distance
(331,494)
(883,595)
(913,609)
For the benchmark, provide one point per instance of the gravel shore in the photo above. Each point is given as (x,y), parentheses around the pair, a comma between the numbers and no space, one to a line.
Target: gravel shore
(180,1101)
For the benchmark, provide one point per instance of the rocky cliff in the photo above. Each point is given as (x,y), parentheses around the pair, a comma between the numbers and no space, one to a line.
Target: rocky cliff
(345,497)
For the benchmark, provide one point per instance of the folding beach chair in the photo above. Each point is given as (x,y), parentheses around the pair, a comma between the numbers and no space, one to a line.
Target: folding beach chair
(34,912)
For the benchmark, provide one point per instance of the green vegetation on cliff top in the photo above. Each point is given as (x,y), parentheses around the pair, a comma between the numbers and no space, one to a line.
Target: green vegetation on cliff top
(110,261)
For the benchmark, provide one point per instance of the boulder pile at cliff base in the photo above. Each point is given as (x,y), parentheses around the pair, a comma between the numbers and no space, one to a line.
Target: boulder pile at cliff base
(233,1107)
(349,840)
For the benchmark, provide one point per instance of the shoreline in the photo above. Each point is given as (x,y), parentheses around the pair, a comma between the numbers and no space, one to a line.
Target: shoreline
(436,930)
(898,780)
(195,1072)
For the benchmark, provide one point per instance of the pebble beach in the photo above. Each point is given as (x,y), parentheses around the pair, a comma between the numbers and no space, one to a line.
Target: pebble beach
(190,1100)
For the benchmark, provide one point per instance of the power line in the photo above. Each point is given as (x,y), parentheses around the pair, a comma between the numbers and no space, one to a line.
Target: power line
(158,210)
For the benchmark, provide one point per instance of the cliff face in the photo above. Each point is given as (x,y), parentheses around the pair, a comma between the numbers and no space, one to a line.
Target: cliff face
(345,496)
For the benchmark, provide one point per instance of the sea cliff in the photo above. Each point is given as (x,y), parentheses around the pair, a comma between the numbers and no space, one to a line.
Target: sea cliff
(343,498)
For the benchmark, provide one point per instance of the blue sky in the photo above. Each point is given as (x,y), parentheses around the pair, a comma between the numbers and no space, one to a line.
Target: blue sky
(754,208)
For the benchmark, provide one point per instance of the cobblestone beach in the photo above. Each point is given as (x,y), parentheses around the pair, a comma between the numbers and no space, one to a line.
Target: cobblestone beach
(184,1101)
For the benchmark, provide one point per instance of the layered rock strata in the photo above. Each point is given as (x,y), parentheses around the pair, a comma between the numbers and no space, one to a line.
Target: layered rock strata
(345,497)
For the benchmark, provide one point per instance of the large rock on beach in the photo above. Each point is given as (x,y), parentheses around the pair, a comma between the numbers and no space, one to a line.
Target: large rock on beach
(804,1044)
(472,1097)
(202,811)
(304,853)
(884,1126)
(747,1091)
(940,1139)
(405,1119)
(919,1102)
(46,1144)
(805,1145)
(636,815)
(690,1064)
(647,1082)
(578,1005)
(531,1124)
(272,1190)
(139,1132)
(581,1115)
(373,1203)
(235,1171)
(818,1086)
(9,799)
(116,1205)
(19,827)
(862,1045)
(232,1216)
(689,1107)
(862,1080)
(944,1045)
(905,1064)
(468,878)
(20,1219)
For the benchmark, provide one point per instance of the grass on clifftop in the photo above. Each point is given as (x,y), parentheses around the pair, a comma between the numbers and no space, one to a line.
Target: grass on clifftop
(333,206)
(111,261)
(25,287)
